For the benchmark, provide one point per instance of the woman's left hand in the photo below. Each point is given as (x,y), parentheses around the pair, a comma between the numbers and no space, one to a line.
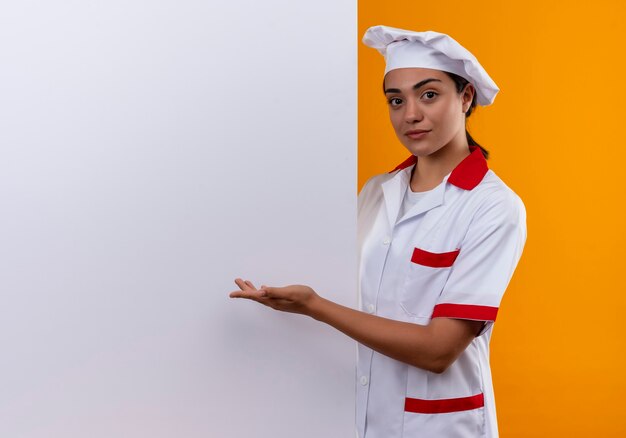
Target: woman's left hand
(294,298)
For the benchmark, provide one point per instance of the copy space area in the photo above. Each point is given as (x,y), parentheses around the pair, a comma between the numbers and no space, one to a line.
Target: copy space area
(150,153)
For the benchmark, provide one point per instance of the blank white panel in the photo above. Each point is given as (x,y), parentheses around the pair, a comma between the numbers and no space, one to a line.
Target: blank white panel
(150,153)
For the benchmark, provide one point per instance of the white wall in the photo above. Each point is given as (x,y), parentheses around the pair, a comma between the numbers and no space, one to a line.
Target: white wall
(150,153)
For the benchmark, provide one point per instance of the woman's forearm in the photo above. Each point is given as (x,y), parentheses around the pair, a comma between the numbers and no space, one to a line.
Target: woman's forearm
(433,347)
(426,347)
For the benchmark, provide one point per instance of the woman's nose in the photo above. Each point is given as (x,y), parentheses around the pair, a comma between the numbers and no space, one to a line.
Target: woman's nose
(413,112)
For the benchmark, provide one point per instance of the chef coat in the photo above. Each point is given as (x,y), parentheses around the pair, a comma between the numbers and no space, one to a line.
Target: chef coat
(451,255)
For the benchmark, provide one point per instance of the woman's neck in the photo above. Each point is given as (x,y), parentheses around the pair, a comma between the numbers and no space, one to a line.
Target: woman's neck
(430,170)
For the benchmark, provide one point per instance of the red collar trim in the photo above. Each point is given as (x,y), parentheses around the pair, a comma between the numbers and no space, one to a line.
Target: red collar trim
(466,175)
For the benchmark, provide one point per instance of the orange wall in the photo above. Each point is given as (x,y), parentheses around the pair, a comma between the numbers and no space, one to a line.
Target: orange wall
(555,134)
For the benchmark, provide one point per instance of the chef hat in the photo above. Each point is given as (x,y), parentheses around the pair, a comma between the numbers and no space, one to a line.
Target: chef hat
(405,48)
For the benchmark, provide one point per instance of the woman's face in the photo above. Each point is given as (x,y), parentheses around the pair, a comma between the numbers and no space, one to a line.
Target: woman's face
(421,99)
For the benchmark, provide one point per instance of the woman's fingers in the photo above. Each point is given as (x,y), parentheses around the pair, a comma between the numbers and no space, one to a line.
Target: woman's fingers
(244,284)
(248,293)
(248,290)
(239,282)
(293,298)
(292,293)
(275,293)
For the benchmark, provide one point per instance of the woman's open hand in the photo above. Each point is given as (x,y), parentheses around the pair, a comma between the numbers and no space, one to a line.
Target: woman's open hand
(294,298)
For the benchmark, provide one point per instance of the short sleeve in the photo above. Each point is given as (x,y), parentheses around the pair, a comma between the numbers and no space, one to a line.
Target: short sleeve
(487,258)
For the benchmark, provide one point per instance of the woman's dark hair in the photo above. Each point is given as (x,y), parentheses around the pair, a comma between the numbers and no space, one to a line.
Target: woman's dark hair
(460,84)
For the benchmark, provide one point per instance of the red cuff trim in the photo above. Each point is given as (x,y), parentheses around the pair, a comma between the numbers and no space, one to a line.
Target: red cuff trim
(434,259)
(465,311)
(442,406)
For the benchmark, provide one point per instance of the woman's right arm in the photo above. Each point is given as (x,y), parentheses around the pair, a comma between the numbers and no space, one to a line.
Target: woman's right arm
(433,347)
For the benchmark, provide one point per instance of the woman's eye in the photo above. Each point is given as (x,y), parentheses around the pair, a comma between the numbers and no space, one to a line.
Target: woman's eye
(431,95)
(394,101)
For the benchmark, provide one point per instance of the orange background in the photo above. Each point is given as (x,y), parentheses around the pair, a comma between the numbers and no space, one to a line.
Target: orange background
(555,134)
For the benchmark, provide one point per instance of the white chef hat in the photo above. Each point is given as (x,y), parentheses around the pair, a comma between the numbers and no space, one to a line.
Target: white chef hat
(405,48)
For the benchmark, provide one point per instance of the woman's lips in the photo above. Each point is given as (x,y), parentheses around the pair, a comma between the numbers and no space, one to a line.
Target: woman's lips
(416,134)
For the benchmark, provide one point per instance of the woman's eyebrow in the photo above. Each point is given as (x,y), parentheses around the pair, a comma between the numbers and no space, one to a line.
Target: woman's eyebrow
(415,87)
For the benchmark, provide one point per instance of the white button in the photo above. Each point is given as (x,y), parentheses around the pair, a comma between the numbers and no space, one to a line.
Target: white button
(363,380)
(370,308)
(387,241)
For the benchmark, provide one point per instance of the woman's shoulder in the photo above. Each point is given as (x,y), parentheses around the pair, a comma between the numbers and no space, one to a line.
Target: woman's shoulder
(495,196)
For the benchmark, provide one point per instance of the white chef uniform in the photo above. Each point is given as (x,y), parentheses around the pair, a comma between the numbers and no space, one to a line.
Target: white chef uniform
(451,255)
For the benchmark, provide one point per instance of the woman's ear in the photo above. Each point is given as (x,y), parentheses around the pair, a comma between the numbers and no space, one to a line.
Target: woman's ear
(467,97)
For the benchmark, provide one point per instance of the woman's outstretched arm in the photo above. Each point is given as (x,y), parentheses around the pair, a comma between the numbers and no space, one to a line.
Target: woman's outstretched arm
(433,347)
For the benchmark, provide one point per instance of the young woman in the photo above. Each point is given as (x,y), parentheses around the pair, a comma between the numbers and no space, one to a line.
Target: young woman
(439,239)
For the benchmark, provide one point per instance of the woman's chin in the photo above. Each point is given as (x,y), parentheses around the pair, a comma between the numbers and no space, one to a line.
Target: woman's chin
(419,149)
